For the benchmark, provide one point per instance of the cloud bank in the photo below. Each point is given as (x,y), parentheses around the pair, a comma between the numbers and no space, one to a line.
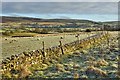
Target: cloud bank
(60,7)
(60,0)
(91,10)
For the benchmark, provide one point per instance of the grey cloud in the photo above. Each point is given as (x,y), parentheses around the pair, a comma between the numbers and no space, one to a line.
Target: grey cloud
(64,17)
(60,0)
(60,7)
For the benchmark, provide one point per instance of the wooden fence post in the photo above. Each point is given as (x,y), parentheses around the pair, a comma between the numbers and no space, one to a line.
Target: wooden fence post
(43,49)
(61,47)
(77,36)
(108,39)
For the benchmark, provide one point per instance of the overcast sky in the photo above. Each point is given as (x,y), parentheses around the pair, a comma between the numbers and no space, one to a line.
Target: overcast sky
(60,0)
(97,11)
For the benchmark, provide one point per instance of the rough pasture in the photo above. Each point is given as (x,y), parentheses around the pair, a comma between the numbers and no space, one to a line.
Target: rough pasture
(20,44)
(39,59)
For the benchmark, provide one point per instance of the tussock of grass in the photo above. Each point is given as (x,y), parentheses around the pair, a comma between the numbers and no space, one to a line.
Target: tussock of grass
(114,66)
(7,74)
(24,72)
(102,62)
(84,51)
(60,67)
(95,71)
(76,75)
(76,66)
(77,53)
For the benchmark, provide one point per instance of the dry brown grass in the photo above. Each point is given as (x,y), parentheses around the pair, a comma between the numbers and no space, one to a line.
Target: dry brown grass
(60,67)
(94,70)
(76,75)
(24,72)
(100,62)
(76,66)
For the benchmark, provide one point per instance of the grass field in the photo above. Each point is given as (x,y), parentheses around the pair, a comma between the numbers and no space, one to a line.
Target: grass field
(17,45)
(100,61)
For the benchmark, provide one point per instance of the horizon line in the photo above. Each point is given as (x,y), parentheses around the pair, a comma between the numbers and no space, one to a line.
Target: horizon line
(57,18)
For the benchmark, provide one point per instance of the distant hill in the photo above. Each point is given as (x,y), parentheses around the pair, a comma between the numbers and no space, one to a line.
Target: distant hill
(29,19)
(66,23)
(112,22)
(18,19)
(22,19)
